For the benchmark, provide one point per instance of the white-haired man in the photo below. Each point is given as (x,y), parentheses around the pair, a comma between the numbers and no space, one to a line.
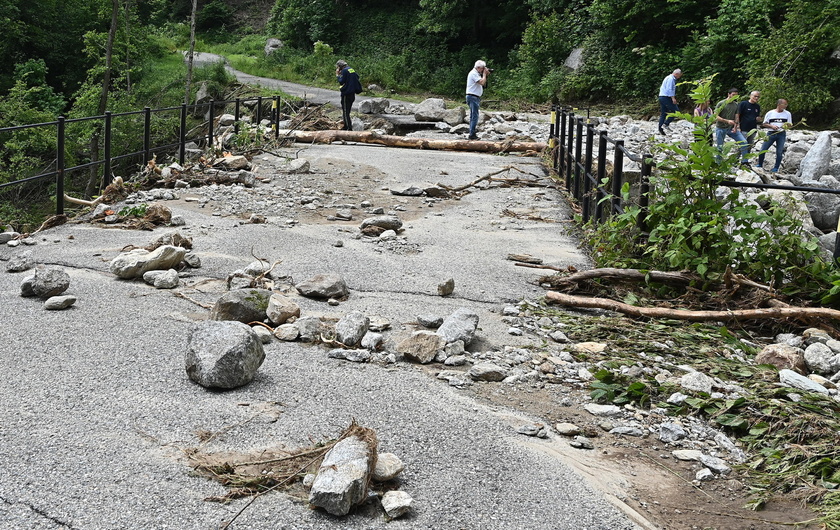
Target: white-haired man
(476,81)
(668,99)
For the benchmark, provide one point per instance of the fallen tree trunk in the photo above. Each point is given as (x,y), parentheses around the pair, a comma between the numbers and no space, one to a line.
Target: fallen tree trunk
(778,313)
(369,137)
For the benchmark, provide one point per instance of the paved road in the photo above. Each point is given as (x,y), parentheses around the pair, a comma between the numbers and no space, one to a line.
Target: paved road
(98,411)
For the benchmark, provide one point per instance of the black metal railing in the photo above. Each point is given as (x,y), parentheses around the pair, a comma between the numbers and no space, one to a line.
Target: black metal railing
(148,150)
(574,165)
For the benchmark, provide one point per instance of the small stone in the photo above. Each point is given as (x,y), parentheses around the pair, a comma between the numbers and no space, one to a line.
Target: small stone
(396,503)
(567,429)
(581,442)
(446,288)
(704,475)
(59,302)
(287,332)
(388,466)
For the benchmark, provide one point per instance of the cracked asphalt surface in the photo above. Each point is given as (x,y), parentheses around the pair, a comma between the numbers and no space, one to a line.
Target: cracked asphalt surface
(98,410)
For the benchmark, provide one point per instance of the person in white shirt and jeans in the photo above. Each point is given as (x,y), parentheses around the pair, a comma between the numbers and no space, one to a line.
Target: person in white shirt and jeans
(668,99)
(476,81)
(778,120)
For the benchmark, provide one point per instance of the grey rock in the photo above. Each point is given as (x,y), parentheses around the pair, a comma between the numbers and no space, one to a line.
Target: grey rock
(431,109)
(697,382)
(20,262)
(46,282)
(351,328)
(670,432)
(704,474)
(487,372)
(422,346)
(410,191)
(323,286)
(567,429)
(280,309)
(287,332)
(581,442)
(59,302)
(533,429)
(388,222)
(162,279)
(602,410)
(396,503)
(388,466)
(558,336)
(223,355)
(263,334)
(5,237)
(192,260)
(818,160)
(372,341)
(309,328)
(794,380)
(820,358)
(430,321)
(242,305)
(446,288)
(356,356)
(687,455)
(455,378)
(299,165)
(717,465)
(341,482)
(135,263)
(460,325)
(677,398)
(627,430)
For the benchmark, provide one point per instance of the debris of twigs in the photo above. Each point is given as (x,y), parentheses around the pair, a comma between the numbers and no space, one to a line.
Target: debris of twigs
(503,182)
(257,473)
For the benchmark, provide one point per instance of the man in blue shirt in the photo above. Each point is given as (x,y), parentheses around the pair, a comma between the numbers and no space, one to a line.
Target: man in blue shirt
(668,99)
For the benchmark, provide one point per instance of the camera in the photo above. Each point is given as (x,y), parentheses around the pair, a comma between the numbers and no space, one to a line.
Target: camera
(489,69)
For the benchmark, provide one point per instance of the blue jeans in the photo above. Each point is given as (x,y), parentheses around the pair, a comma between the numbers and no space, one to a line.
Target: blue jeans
(738,136)
(473,102)
(777,138)
(666,106)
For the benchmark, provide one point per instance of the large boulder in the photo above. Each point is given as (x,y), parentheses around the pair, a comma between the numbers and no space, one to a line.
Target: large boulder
(824,207)
(242,305)
(422,346)
(374,106)
(323,286)
(783,356)
(46,283)
(137,262)
(223,355)
(818,160)
(432,109)
(351,328)
(272,45)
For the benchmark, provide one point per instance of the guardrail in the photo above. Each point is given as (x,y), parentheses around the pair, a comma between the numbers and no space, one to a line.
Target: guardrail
(145,154)
(574,161)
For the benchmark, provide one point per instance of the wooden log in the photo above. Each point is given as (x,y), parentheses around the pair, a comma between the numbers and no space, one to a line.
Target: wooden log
(778,313)
(370,137)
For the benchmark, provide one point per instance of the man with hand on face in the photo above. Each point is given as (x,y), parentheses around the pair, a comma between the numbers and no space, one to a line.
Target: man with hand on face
(348,79)
(476,81)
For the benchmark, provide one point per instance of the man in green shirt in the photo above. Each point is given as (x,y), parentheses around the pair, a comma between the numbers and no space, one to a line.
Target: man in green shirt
(727,123)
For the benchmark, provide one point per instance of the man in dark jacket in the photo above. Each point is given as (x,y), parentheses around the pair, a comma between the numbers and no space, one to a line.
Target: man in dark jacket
(348,79)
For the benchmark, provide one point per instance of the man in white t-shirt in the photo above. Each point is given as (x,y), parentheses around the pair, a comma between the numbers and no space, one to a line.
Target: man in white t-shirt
(476,81)
(778,121)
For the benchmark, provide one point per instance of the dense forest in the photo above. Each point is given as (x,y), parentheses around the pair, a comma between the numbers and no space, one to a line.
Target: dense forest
(55,49)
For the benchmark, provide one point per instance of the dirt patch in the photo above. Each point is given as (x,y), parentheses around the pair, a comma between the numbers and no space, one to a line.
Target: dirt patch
(632,471)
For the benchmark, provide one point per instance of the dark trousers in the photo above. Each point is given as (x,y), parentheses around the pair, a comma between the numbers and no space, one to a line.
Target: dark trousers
(347,102)
(666,106)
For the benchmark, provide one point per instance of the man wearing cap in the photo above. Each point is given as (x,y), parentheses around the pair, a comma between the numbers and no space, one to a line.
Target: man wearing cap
(348,79)
(476,81)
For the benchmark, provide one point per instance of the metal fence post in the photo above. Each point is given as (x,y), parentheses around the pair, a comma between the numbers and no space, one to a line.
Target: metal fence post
(147,135)
(561,152)
(182,135)
(106,167)
(275,118)
(578,157)
(59,174)
(259,112)
(210,121)
(602,173)
(644,190)
(587,172)
(236,116)
(569,151)
(618,176)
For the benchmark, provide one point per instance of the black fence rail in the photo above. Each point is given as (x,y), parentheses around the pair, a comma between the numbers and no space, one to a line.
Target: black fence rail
(572,139)
(148,121)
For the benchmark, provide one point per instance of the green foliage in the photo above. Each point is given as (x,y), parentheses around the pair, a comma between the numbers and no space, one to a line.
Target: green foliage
(138,210)
(617,390)
(214,15)
(694,227)
(299,23)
